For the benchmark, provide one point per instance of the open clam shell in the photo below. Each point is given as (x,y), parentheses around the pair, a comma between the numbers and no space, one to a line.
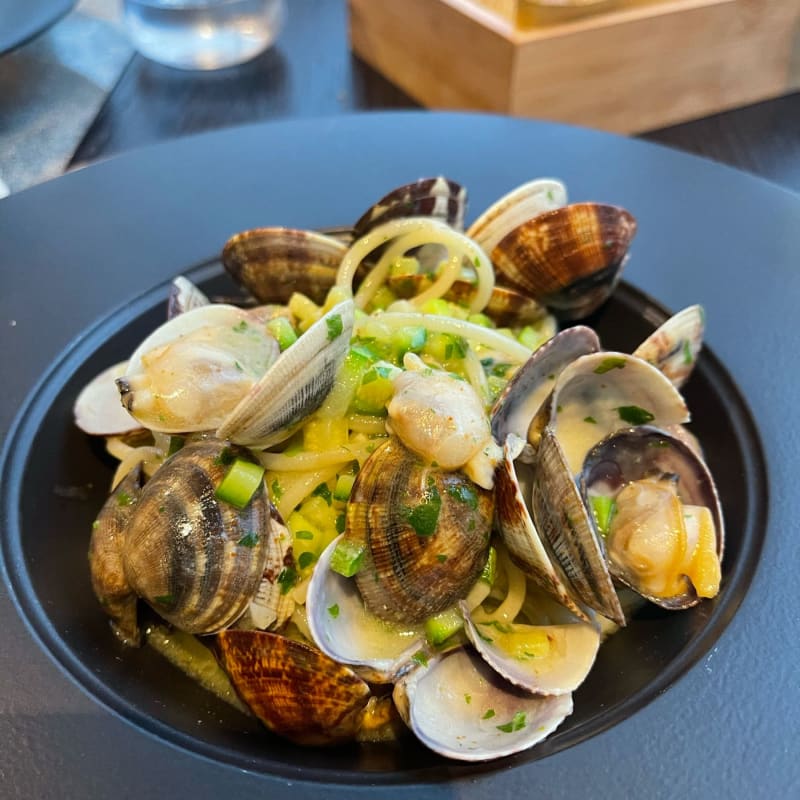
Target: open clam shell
(98,410)
(563,522)
(649,453)
(295,385)
(516,207)
(460,707)
(571,650)
(294,689)
(344,629)
(190,372)
(527,390)
(675,345)
(273,263)
(513,490)
(600,393)
(570,258)
(436,197)
(183,297)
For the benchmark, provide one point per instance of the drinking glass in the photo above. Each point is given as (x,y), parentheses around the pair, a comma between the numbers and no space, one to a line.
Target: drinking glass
(203,34)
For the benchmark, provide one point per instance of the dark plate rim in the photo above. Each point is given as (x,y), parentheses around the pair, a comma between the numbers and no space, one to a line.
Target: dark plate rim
(15,454)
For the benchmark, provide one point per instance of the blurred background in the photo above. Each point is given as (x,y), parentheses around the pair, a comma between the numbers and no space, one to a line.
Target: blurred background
(714,77)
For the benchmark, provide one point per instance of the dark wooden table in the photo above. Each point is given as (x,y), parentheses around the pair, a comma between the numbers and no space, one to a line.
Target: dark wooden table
(311,72)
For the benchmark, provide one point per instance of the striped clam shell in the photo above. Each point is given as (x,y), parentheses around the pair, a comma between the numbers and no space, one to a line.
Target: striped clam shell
(195,559)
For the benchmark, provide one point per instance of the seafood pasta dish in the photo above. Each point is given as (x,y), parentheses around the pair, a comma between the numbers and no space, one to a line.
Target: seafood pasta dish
(396,486)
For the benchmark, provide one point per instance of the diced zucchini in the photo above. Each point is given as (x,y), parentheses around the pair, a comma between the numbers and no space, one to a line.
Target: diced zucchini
(347,557)
(442,626)
(283,332)
(603,509)
(344,485)
(240,483)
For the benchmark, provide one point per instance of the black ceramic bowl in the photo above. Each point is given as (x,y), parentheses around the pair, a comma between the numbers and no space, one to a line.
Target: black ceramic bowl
(55,479)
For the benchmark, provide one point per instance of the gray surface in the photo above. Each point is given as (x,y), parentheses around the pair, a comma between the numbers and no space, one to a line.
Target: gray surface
(707,234)
(52,89)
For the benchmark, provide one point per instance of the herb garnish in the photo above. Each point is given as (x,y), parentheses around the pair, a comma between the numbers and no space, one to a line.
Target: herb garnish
(287,579)
(324,492)
(334,610)
(424,517)
(464,494)
(607,364)
(688,358)
(306,559)
(635,415)
(490,712)
(249,539)
(335,326)
(516,724)
(303,535)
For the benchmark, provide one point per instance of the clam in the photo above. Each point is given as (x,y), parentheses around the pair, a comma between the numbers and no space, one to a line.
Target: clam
(98,411)
(271,607)
(437,197)
(294,689)
(458,706)
(274,263)
(295,385)
(514,208)
(193,370)
(345,630)
(562,520)
(106,566)
(514,521)
(183,297)
(675,345)
(527,390)
(425,533)
(552,657)
(570,258)
(600,393)
(196,559)
(217,367)
(665,537)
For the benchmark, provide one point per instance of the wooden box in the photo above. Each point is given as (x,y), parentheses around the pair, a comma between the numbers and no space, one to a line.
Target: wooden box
(641,65)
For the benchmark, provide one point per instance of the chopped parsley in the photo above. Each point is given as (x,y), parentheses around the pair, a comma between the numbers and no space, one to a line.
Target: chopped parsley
(287,579)
(424,517)
(324,492)
(340,523)
(516,724)
(175,444)
(334,610)
(276,489)
(124,499)
(420,658)
(590,419)
(464,494)
(241,326)
(306,559)
(607,364)
(441,557)
(688,358)
(304,535)
(335,327)
(225,457)
(635,415)
(165,599)
(249,539)
(490,712)
(467,698)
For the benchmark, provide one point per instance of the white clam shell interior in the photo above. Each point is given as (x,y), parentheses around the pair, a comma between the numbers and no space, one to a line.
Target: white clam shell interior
(343,628)
(98,410)
(461,708)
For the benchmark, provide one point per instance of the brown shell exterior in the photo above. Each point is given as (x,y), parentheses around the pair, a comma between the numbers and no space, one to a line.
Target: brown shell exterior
(294,689)
(406,576)
(570,259)
(437,197)
(273,263)
(184,551)
(562,521)
(109,582)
